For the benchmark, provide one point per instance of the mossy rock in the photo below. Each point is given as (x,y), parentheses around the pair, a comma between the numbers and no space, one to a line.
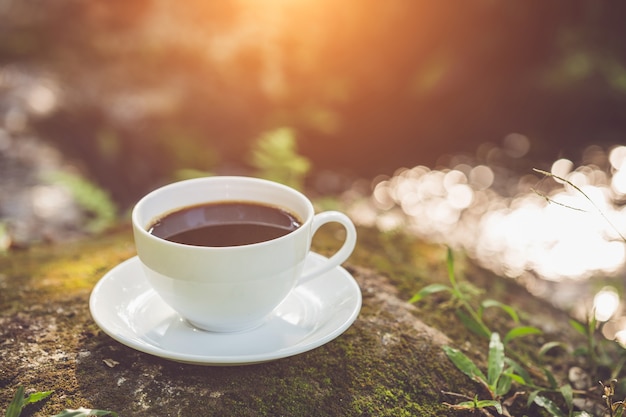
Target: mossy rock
(388,363)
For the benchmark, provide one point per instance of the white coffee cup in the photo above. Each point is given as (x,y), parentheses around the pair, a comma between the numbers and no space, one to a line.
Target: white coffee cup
(233,288)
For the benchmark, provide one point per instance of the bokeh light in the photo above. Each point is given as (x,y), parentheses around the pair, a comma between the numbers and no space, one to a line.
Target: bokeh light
(605,303)
(525,226)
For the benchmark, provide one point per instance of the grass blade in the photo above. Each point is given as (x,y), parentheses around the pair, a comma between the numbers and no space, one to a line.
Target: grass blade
(471,324)
(506,308)
(450,266)
(463,363)
(490,403)
(519,332)
(521,375)
(495,361)
(550,377)
(551,345)
(568,395)
(16,405)
(549,406)
(504,385)
(549,174)
(428,290)
(580,328)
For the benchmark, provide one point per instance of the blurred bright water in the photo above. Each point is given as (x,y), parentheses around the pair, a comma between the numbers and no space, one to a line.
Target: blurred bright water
(562,239)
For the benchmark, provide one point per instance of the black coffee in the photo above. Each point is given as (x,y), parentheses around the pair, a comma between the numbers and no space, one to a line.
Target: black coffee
(230,223)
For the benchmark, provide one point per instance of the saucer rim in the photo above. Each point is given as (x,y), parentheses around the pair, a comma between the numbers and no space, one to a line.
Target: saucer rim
(308,343)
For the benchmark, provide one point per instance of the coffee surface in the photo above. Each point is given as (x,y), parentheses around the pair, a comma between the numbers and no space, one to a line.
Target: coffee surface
(229,223)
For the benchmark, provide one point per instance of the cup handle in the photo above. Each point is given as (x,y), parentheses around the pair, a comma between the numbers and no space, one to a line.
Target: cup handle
(342,254)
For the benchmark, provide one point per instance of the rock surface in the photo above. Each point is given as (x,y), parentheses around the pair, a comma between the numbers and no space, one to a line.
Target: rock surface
(388,363)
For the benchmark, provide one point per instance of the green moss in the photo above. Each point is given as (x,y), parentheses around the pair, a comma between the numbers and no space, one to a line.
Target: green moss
(42,271)
(378,367)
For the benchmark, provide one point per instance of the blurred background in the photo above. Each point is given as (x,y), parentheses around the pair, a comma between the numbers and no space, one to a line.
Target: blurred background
(414,114)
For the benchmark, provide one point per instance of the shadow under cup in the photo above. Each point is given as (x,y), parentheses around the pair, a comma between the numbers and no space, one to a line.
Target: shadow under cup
(234,288)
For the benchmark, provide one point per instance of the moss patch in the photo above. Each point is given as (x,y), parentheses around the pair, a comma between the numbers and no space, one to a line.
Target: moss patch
(389,363)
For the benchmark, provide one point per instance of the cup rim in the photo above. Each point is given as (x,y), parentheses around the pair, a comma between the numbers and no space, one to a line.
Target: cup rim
(218,178)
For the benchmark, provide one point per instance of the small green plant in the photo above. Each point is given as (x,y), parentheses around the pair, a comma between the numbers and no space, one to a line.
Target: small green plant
(94,200)
(502,373)
(475,404)
(275,157)
(462,296)
(497,382)
(595,351)
(20,401)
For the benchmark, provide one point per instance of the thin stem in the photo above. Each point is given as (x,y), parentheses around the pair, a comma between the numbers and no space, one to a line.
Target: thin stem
(549,200)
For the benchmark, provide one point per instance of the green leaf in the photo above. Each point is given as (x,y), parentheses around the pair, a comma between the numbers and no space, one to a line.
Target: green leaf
(463,363)
(37,396)
(495,361)
(551,345)
(506,308)
(490,403)
(520,332)
(517,378)
(504,385)
(450,267)
(85,412)
(549,406)
(17,404)
(580,351)
(427,290)
(471,324)
(550,377)
(592,324)
(19,401)
(521,376)
(568,395)
(470,405)
(579,327)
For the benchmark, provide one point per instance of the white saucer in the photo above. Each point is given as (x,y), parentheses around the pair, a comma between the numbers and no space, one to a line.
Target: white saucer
(130,311)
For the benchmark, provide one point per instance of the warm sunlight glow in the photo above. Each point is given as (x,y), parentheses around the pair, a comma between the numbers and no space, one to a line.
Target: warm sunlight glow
(617,157)
(620,337)
(605,303)
(516,145)
(42,99)
(562,167)
(481,177)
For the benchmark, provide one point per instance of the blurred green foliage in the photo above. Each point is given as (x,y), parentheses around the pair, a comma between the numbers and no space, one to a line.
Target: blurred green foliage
(100,210)
(275,157)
